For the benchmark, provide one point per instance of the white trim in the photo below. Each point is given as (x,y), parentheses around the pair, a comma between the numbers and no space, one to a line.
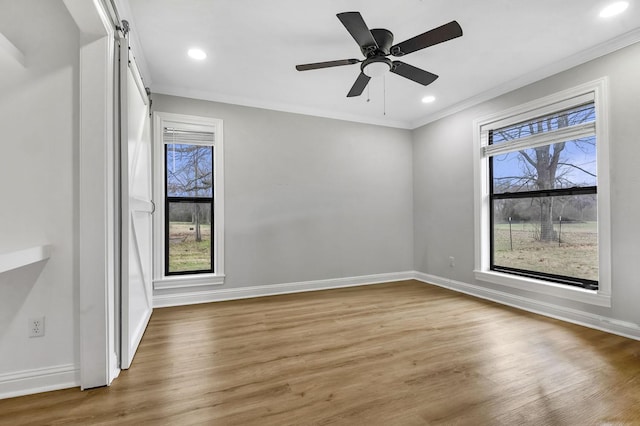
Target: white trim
(206,296)
(598,322)
(568,98)
(564,64)
(38,380)
(610,46)
(563,134)
(96,249)
(601,91)
(521,113)
(186,281)
(114,365)
(565,98)
(185,92)
(545,287)
(195,123)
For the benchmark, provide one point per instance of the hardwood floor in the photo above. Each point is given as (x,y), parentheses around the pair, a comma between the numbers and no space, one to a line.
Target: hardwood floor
(390,354)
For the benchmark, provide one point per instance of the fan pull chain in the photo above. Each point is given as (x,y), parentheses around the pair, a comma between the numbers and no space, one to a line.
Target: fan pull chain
(384,96)
(368,97)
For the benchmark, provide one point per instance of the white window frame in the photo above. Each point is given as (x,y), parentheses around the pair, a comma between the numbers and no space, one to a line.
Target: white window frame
(565,99)
(199,124)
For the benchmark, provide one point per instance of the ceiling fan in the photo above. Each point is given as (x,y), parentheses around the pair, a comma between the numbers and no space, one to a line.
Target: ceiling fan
(377,44)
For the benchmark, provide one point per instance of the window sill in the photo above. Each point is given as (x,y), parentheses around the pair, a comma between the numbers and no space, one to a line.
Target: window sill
(200,280)
(591,297)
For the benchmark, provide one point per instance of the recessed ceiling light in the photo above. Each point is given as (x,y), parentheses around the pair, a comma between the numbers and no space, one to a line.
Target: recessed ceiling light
(196,54)
(614,9)
(428,99)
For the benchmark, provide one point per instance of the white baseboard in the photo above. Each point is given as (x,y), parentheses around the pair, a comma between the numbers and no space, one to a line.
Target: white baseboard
(39,380)
(218,295)
(114,368)
(598,322)
(68,376)
(575,316)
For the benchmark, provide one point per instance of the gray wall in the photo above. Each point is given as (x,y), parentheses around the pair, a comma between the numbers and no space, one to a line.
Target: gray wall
(306,198)
(444,185)
(39,180)
(309,198)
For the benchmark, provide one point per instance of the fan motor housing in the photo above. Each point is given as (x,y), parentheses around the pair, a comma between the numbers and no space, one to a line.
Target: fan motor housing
(384,38)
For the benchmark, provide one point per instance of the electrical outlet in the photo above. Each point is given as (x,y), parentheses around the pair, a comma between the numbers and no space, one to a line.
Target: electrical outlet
(452,261)
(36,327)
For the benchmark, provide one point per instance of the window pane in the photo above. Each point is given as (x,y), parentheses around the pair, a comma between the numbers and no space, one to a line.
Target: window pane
(189,170)
(189,237)
(553,235)
(560,165)
(570,117)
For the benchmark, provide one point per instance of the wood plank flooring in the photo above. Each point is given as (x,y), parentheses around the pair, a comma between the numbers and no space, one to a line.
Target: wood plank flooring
(391,354)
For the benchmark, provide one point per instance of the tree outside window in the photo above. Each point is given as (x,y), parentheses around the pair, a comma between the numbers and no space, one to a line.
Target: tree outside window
(543,191)
(189,198)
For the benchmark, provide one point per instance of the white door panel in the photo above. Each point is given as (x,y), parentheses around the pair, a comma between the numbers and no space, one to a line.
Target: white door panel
(137,207)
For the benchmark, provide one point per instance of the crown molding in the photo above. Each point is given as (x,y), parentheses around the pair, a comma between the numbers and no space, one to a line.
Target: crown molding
(275,106)
(602,49)
(579,58)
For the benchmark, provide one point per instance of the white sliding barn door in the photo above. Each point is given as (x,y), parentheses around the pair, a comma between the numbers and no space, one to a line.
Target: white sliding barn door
(136,208)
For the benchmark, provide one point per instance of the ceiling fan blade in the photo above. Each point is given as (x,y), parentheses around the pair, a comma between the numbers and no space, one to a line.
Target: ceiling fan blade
(328,64)
(441,34)
(356,26)
(359,85)
(412,73)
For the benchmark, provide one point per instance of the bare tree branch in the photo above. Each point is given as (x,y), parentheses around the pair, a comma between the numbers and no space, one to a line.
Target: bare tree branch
(528,158)
(579,168)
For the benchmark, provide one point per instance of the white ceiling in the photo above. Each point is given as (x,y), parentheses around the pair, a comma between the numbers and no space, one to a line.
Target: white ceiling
(253,47)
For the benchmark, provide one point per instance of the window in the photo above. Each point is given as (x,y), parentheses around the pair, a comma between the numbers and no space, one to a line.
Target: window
(540,170)
(188,201)
(542,207)
(189,227)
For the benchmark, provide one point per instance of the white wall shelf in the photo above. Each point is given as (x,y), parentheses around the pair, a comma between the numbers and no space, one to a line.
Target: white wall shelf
(20,258)
(11,52)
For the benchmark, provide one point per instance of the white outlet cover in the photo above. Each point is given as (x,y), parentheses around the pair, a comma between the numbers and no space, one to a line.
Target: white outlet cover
(36,327)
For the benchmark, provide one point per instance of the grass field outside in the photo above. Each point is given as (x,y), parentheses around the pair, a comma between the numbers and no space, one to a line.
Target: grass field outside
(185,253)
(576,255)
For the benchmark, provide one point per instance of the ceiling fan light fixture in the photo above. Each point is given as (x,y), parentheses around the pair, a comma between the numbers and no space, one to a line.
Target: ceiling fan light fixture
(428,99)
(376,68)
(614,9)
(377,44)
